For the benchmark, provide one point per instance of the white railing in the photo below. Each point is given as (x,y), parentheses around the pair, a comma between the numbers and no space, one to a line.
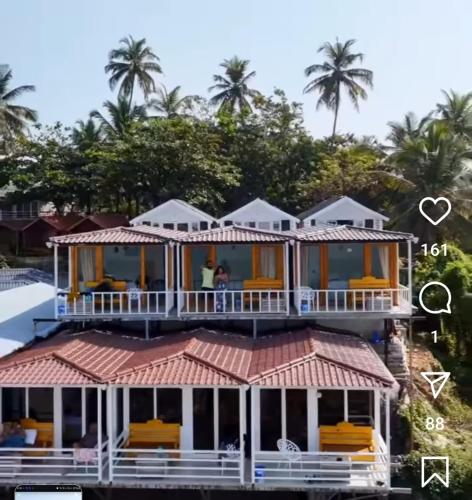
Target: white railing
(113,303)
(51,463)
(8,285)
(178,466)
(235,302)
(358,300)
(348,471)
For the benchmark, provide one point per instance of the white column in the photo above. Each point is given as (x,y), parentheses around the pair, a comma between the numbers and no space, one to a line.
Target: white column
(410,275)
(166,279)
(154,400)
(286,278)
(100,432)
(346,406)
(387,435)
(110,392)
(283,409)
(57,418)
(178,287)
(27,402)
(126,409)
(216,418)
(56,279)
(242,430)
(377,426)
(298,274)
(312,419)
(69,266)
(186,438)
(83,409)
(1,404)
(256,417)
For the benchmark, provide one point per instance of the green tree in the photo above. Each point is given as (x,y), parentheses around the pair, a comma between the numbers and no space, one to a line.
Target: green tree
(456,112)
(86,134)
(170,104)
(133,62)
(120,117)
(14,118)
(409,129)
(437,162)
(337,74)
(232,89)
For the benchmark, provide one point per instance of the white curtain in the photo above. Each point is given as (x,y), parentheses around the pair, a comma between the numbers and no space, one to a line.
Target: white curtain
(268,262)
(383,257)
(87,263)
(304,278)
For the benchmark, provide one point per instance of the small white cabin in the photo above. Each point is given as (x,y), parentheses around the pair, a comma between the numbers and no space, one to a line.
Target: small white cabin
(260,215)
(342,210)
(175,214)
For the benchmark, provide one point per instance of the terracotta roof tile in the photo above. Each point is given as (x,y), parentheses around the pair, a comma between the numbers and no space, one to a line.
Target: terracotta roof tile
(236,234)
(347,233)
(201,357)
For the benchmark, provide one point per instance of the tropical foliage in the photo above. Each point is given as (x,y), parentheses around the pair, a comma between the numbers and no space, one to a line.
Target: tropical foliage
(337,74)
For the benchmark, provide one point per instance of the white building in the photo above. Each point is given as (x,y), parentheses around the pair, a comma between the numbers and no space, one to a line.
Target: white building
(342,210)
(175,214)
(261,215)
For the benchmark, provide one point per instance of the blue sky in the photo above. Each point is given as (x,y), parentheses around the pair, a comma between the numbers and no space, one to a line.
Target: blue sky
(415,48)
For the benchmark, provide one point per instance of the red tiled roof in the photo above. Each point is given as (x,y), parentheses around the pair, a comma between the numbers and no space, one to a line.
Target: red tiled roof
(236,234)
(303,358)
(16,224)
(120,235)
(60,222)
(104,221)
(347,233)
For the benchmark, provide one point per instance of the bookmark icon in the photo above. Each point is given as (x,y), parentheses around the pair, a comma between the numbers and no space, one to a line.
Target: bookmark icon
(435,475)
(437,381)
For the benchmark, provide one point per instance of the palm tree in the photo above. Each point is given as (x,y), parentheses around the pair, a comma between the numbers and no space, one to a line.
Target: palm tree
(170,104)
(121,116)
(233,90)
(13,118)
(457,112)
(337,73)
(409,129)
(86,134)
(133,62)
(435,163)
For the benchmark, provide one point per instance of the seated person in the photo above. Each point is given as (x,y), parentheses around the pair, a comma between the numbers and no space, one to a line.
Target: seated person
(12,436)
(90,438)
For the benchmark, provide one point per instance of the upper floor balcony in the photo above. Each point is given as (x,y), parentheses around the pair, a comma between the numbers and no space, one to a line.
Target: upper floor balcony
(234,272)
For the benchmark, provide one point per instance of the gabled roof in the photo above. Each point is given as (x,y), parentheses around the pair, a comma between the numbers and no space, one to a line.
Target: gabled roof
(305,358)
(16,225)
(178,203)
(120,236)
(103,221)
(347,234)
(61,223)
(334,201)
(254,205)
(235,234)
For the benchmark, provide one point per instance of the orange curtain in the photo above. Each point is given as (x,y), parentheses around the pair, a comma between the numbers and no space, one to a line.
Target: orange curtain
(170,267)
(188,267)
(99,267)
(279,256)
(74,273)
(367,259)
(256,265)
(324,266)
(142,273)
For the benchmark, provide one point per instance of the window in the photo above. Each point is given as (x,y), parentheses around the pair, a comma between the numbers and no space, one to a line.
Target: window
(276,226)
(203,225)
(41,404)
(380,261)
(296,410)
(264,225)
(228,223)
(345,261)
(330,407)
(361,407)
(156,224)
(13,404)
(285,225)
(72,420)
(122,263)
(203,434)
(168,225)
(146,223)
(228,425)
(369,223)
(194,226)
(313,222)
(141,403)
(251,224)
(169,405)
(183,226)
(345,222)
(271,418)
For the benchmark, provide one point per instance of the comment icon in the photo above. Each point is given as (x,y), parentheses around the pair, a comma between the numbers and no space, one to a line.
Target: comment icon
(446,308)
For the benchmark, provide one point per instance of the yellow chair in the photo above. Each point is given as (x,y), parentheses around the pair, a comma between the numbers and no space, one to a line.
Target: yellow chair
(152,434)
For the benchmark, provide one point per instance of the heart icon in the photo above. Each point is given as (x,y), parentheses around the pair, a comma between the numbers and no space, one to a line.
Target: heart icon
(435,201)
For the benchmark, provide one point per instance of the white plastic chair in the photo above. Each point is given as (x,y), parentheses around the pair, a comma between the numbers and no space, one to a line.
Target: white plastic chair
(290,452)
(230,456)
(85,456)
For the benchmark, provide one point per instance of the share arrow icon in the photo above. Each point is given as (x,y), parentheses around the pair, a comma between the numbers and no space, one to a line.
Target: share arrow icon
(436,380)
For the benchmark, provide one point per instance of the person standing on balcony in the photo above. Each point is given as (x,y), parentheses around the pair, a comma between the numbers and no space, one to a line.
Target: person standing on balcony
(220,282)
(208,274)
